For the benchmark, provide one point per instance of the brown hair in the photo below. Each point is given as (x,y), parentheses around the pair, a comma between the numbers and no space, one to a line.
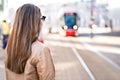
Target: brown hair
(26,28)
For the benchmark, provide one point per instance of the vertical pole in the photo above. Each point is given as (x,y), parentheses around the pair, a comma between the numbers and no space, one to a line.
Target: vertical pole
(91,9)
(91,17)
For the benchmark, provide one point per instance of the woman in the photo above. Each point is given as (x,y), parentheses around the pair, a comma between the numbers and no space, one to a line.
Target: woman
(26,58)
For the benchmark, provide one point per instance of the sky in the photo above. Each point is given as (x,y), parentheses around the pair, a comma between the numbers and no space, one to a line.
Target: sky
(15,3)
(38,2)
(114,3)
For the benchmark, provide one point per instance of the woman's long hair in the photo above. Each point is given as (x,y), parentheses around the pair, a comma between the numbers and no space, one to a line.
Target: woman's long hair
(26,27)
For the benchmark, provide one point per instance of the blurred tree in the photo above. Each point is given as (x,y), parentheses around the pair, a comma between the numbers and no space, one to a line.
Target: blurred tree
(1,5)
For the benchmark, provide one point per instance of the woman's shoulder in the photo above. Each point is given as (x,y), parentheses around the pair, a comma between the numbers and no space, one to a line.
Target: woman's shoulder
(37,44)
(38,47)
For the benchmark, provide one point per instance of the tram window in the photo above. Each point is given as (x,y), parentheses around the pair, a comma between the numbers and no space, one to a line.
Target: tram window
(70,19)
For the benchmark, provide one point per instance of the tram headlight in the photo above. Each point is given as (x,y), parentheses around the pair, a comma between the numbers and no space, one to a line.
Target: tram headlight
(65,27)
(75,27)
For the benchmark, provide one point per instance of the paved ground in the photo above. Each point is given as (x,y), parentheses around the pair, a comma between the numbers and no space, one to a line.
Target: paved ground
(69,65)
(102,68)
(2,70)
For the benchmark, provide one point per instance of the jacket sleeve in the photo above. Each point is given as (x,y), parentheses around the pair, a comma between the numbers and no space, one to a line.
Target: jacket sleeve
(45,66)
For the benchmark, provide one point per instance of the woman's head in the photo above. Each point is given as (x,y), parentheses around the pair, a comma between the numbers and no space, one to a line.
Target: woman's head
(27,21)
(26,28)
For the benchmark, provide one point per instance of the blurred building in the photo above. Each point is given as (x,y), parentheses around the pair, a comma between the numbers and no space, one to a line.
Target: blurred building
(101,10)
(3,6)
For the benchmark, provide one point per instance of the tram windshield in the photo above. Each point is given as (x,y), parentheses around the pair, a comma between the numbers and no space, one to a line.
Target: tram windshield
(70,20)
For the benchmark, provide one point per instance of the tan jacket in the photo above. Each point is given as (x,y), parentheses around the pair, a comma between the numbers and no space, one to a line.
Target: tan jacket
(38,67)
